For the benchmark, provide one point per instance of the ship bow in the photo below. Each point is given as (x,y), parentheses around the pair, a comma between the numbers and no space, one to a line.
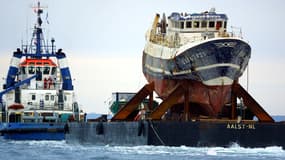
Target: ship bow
(214,63)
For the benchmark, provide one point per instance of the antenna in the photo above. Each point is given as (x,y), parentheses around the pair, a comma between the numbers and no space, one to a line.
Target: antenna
(38,38)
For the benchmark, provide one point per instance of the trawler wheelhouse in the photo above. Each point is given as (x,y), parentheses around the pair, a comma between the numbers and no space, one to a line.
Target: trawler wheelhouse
(183,28)
(207,21)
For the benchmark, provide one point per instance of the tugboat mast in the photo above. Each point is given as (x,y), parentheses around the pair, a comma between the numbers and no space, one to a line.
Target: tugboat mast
(38,30)
(37,47)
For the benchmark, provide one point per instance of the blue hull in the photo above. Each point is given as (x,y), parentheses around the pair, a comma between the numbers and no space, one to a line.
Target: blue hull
(33,131)
(34,136)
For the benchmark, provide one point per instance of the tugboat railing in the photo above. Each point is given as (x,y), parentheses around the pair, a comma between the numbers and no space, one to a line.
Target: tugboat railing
(46,49)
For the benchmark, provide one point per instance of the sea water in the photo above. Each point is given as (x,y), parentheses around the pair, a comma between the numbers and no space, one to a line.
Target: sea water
(60,150)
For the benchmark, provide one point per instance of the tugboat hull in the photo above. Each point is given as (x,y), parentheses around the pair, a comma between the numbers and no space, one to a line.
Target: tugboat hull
(33,131)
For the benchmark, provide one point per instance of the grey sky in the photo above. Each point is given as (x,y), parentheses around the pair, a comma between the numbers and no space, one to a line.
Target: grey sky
(115,29)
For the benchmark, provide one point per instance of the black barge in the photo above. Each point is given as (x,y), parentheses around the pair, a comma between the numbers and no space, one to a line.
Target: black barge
(196,134)
(239,127)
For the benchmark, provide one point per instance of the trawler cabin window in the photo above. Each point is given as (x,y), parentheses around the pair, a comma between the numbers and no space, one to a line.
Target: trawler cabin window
(52,97)
(204,24)
(181,25)
(219,25)
(33,97)
(176,24)
(225,24)
(188,24)
(211,24)
(196,24)
(46,97)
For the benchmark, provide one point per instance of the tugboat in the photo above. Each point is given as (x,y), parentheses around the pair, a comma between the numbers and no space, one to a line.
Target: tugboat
(38,98)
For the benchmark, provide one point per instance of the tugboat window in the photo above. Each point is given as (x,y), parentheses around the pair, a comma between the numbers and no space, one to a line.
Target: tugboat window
(46,70)
(204,24)
(39,69)
(53,70)
(39,73)
(31,70)
(181,25)
(211,24)
(23,70)
(196,24)
(188,24)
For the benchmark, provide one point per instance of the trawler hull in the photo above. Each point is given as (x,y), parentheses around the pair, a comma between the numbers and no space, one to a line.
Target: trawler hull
(210,68)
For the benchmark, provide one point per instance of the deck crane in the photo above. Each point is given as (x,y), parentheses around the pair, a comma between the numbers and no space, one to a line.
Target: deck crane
(16,85)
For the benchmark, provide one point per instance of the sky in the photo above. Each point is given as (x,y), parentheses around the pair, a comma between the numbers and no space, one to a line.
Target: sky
(104,40)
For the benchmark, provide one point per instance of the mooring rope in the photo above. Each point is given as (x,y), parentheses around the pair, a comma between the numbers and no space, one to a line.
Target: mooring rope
(151,125)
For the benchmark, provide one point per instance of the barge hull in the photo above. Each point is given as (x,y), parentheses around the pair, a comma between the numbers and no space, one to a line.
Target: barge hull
(195,134)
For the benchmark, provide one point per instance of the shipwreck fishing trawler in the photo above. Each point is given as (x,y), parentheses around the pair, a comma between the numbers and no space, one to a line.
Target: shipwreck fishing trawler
(197,49)
(38,97)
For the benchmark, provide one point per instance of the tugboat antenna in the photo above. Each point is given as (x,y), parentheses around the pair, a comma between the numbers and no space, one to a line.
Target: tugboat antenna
(38,33)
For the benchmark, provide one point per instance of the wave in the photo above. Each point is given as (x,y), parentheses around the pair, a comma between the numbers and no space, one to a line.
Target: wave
(59,149)
(211,151)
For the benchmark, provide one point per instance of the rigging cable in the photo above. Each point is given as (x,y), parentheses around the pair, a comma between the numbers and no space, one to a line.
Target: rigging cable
(151,125)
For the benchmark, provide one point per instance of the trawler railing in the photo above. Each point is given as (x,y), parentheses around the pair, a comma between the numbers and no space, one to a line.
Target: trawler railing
(178,41)
(162,40)
(236,32)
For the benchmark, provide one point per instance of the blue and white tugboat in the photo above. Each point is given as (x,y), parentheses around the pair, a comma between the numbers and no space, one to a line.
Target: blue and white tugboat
(38,98)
